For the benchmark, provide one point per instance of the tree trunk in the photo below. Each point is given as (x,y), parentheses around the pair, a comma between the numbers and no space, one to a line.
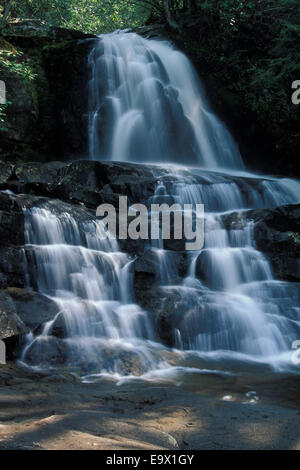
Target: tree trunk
(7,7)
(169,17)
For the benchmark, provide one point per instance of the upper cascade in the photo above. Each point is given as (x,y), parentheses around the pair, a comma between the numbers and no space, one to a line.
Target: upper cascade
(146,104)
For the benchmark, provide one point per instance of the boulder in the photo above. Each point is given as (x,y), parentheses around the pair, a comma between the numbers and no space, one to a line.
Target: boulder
(165,305)
(84,181)
(104,356)
(11,221)
(32,308)
(22,311)
(12,267)
(10,323)
(6,171)
(59,327)
(46,351)
(37,172)
(162,265)
(80,183)
(12,329)
(277,235)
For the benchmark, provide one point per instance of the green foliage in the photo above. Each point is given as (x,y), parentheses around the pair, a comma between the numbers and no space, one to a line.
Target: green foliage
(53,11)
(15,62)
(90,16)
(250,46)
(105,16)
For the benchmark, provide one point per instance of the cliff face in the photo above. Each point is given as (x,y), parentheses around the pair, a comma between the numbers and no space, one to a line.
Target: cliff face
(45,113)
(46,116)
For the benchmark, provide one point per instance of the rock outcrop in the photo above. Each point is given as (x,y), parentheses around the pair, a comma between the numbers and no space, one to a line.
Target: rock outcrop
(12,269)
(77,188)
(22,311)
(43,118)
(277,235)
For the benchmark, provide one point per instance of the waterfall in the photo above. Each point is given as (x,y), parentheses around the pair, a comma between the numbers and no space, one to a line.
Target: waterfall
(147,105)
(88,278)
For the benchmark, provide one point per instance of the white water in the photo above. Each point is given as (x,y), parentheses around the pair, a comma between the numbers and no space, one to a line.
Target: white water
(88,278)
(147,98)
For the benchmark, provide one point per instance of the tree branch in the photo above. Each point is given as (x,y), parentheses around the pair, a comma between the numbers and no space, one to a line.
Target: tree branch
(7,8)
(170,19)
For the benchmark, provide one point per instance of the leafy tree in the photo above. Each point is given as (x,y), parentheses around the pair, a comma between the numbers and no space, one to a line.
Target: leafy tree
(91,16)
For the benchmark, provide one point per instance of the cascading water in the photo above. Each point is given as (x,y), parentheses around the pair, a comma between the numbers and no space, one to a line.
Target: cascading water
(147,98)
(88,278)
(146,104)
(237,306)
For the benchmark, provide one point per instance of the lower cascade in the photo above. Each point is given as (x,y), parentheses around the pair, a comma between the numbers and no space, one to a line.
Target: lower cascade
(226,311)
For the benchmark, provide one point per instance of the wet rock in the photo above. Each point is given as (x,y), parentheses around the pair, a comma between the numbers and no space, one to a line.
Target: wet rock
(37,172)
(277,235)
(10,324)
(165,305)
(175,245)
(204,271)
(12,329)
(148,263)
(21,116)
(32,308)
(6,171)
(130,363)
(91,183)
(12,267)
(11,221)
(102,356)
(162,265)
(234,220)
(124,362)
(22,311)
(80,182)
(8,203)
(44,120)
(84,181)
(77,181)
(60,208)
(59,327)
(63,377)
(46,351)
(98,182)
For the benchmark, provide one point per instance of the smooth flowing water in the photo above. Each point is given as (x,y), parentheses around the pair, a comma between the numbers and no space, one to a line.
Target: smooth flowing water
(147,105)
(147,97)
